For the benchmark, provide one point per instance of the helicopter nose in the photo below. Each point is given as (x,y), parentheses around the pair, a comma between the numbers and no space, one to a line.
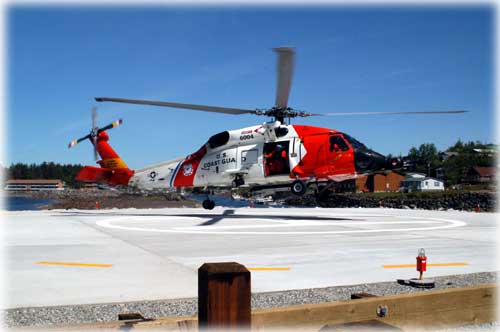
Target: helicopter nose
(366,160)
(395,163)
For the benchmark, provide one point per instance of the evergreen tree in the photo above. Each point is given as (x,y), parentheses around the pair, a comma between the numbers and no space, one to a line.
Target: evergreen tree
(457,166)
(46,170)
(426,159)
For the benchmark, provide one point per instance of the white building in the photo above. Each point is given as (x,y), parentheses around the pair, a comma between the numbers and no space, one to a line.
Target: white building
(33,185)
(421,183)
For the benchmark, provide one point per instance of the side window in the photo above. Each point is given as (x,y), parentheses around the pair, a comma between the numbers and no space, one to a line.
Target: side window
(337,143)
(218,139)
(281,131)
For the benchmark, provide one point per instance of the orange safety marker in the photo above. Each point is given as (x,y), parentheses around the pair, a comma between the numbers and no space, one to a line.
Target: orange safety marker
(421,263)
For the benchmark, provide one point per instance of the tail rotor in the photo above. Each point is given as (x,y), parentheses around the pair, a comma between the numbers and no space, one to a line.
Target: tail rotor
(94,132)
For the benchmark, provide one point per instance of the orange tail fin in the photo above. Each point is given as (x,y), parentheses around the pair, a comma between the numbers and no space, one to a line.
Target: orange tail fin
(113,170)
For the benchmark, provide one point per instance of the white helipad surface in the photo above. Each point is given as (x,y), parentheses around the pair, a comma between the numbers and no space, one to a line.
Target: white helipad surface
(155,253)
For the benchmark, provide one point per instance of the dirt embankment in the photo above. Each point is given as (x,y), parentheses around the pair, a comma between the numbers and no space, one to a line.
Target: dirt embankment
(108,199)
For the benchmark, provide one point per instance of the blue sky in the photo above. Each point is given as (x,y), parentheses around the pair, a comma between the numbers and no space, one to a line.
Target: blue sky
(348,59)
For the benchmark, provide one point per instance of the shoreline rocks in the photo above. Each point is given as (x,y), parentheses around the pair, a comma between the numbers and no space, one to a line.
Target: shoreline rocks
(463,201)
(108,199)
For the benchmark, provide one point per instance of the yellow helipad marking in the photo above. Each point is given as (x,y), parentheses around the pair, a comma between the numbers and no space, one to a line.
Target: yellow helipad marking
(402,266)
(269,268)
(75,264)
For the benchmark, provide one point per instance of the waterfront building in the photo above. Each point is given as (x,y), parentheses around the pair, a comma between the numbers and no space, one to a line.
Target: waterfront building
(34,184)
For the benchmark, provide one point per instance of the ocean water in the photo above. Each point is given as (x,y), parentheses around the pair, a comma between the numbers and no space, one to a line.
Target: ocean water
(13,203)
(229,202)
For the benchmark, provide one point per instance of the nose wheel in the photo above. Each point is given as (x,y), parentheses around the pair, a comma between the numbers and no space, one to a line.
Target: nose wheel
(208,204)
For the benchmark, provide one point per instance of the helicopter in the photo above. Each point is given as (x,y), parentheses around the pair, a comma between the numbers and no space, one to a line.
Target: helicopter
(273,154)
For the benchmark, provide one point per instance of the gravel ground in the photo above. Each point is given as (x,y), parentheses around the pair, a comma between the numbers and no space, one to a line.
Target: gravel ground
(75,314)
(486,327)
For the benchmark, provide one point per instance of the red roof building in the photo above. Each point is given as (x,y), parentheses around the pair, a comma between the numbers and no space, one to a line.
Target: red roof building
(389,181)
(479,174)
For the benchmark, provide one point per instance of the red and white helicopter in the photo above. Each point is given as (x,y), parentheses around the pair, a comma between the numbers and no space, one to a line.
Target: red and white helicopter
(270,154)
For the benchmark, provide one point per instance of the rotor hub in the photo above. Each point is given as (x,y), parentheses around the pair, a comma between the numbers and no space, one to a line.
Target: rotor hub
(280,113)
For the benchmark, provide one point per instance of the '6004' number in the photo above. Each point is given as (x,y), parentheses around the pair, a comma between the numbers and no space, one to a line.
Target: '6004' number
(245,137)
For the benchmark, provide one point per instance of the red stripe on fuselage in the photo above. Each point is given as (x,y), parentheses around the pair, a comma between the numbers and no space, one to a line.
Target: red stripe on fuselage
(187,171)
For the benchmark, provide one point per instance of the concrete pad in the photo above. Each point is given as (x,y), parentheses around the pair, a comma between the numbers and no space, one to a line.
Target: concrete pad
(155,253)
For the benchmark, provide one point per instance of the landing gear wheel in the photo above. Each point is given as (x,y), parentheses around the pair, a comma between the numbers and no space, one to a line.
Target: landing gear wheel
(238,182)
(208,204)
(298,187)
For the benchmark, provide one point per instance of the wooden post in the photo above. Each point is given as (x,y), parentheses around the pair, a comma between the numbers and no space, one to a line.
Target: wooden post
(224,300)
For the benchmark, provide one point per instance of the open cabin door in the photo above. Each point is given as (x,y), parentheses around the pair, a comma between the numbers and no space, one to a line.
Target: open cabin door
(276,157)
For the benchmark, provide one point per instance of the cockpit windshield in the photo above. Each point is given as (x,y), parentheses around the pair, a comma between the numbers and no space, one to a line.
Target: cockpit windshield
(357,145)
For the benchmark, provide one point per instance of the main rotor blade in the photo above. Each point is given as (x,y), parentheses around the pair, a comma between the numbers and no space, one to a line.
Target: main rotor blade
(205,108)
(388,113)
(284,75)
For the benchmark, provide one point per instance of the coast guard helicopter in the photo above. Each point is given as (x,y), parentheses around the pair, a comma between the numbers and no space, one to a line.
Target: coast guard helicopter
(272,154)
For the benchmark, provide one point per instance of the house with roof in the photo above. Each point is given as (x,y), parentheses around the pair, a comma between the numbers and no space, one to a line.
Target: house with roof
(380,182)
(34,184)
(490,150)
(420,182)
(480,174)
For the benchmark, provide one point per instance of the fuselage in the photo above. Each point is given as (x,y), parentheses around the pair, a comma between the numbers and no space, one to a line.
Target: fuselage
(271,153)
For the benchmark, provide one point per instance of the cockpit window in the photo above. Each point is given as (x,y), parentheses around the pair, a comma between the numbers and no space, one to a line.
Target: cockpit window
(218,139)
(354,143)
(337,143)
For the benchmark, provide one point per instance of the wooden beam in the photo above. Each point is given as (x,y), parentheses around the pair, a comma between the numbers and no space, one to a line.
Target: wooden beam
(365,326)
(437,309)
(426,309)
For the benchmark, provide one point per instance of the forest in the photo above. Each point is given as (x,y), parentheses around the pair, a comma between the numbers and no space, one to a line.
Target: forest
(45,170)
(454,162)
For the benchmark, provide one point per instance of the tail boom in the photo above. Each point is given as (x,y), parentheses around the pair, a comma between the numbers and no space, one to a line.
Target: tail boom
(113,177)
